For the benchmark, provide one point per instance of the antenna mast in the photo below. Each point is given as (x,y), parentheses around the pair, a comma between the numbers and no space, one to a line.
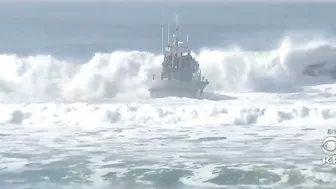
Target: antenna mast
(162,22)
(168,34)
(177,26)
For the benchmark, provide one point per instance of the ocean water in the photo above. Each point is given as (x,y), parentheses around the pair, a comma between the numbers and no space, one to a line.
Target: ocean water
(76,113)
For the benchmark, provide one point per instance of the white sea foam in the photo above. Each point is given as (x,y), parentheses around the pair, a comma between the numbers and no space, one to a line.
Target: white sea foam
(128,73)
(67,122)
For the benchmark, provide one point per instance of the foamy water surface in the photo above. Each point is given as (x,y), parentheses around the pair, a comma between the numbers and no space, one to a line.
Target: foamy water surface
(75,110)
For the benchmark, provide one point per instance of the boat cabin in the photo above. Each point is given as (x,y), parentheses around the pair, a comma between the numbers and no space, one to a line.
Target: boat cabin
(178,63)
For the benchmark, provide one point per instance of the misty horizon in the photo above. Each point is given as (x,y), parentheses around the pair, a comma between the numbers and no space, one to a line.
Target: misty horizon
(170,1)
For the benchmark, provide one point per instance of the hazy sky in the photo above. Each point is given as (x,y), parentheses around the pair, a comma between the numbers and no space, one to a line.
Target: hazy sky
(180,1)
(205,1)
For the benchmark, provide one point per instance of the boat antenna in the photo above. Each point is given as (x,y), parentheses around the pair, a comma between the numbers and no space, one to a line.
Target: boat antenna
(168,34)
(177,26)
(187,38)
(162,24)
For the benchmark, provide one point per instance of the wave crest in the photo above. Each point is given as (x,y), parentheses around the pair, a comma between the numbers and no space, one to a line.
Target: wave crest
(122,73)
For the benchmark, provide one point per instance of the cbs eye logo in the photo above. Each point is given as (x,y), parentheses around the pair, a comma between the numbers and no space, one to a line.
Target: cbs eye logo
(329,146)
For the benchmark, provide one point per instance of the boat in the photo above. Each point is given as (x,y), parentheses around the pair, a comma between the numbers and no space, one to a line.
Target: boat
(320,69)
(180,73)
